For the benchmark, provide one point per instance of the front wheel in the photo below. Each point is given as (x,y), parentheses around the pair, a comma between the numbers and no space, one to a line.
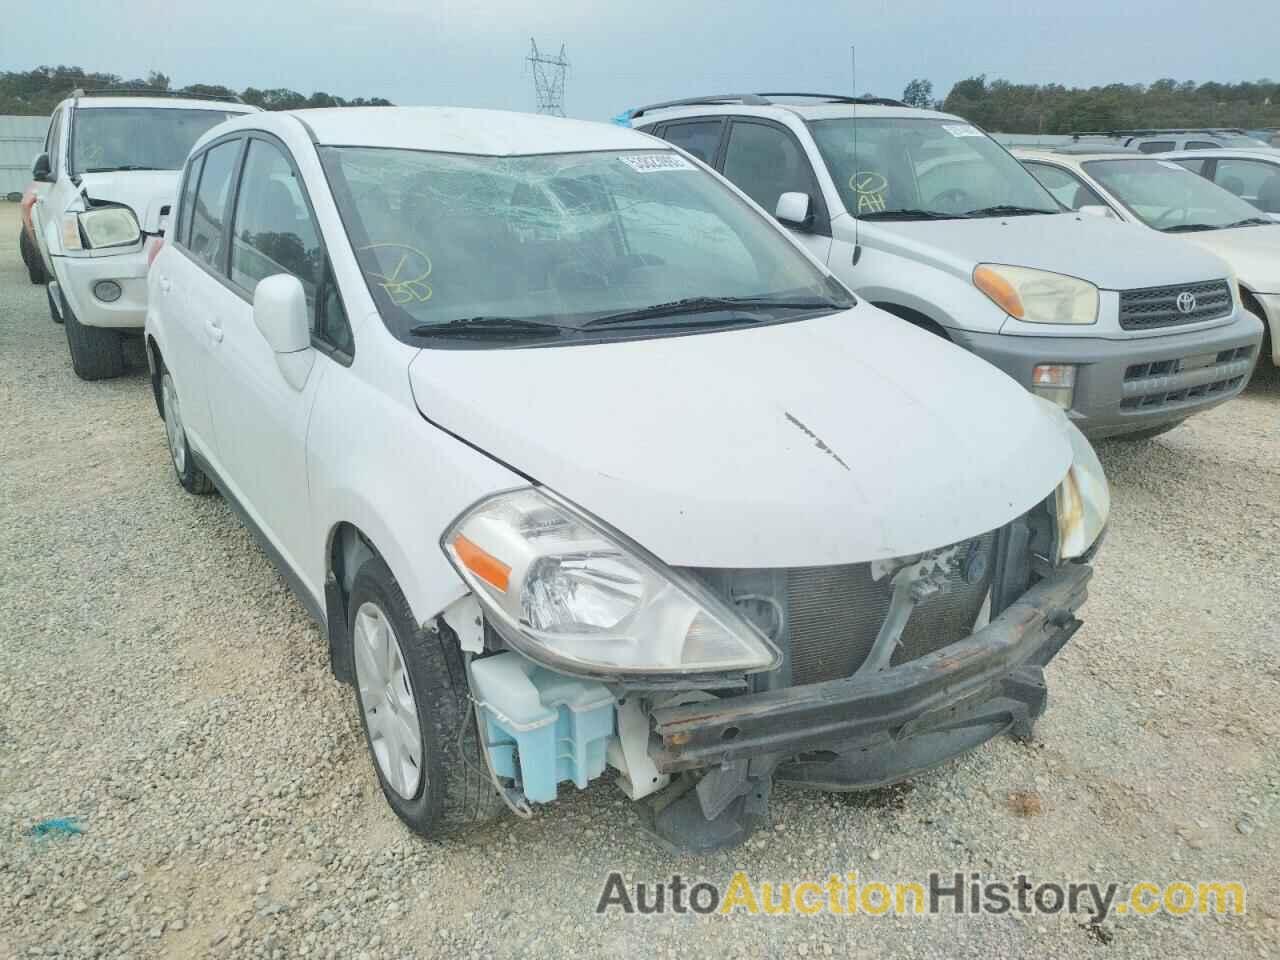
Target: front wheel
(411,693)
(30,256)
(96,353)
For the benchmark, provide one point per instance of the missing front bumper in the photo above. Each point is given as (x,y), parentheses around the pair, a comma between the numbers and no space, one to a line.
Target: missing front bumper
(897,721)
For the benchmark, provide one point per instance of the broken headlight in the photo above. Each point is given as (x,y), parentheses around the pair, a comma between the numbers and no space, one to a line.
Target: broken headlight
(99,228)
(1083,501)
(566,591)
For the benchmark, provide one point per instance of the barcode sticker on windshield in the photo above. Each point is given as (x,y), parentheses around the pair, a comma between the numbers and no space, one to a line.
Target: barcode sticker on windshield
(962,129)
(657,163)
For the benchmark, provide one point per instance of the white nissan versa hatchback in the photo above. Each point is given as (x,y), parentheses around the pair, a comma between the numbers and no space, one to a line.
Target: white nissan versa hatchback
(583,462)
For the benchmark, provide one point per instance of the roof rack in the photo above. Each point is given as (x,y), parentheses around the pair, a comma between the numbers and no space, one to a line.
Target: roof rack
(1155,131)
(149,92)
(763,100)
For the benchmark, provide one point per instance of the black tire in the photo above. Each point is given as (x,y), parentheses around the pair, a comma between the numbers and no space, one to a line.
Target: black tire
(30,256)
(454,793)
(191,477)
(95,352)
(1149,433)
(53,307)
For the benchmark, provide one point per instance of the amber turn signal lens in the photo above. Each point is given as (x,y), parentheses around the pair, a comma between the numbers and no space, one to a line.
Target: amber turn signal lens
(482,563)
(1000,290)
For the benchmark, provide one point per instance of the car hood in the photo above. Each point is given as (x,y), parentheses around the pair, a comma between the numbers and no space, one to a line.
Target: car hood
(1112,255)
(145,192)
(833,440)
(1252,252)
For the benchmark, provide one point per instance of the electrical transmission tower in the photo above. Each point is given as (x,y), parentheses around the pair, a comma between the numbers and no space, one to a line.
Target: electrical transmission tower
(548,79)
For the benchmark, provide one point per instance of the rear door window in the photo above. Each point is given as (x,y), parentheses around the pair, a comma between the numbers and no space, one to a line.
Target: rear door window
(1201,145)
(700,137)
(209,213)
(1156,146)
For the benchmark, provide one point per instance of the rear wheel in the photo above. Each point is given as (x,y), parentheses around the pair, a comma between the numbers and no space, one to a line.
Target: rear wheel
(95,352)
(411,693)
(191,477)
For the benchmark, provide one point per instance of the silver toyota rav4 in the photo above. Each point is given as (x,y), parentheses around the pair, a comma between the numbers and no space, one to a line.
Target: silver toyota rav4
(930,219)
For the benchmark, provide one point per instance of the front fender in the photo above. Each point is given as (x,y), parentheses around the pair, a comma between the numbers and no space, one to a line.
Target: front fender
(374,462)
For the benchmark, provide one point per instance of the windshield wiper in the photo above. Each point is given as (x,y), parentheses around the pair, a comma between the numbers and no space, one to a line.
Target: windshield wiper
(910,214)
(124,167)
(701,304)
(1250,222)
(1188,228)
(486,326)
(1007,210)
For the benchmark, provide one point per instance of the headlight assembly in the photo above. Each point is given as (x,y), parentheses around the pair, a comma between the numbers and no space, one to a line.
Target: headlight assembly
(1083,500)
(568,592)
(1038,296)
(100,228)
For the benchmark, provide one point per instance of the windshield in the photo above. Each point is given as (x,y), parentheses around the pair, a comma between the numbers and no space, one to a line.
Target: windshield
(1169,197)
(137,138)
(563,239)
(904,165)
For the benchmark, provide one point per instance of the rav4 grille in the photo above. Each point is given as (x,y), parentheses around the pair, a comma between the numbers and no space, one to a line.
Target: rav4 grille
(1152,307)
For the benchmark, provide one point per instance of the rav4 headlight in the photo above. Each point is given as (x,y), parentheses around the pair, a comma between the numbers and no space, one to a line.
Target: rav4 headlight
(100,227)
(1083,500)
(1038,296)
(563,589)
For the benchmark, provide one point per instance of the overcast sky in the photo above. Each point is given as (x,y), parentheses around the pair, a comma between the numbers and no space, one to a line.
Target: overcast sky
(625,54)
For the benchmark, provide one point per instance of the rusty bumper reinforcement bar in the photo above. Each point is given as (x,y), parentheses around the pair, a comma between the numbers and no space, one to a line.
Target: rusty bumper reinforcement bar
(994,662)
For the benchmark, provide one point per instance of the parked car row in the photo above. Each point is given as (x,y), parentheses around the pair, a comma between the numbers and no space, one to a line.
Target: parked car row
(590,448)
(931,220)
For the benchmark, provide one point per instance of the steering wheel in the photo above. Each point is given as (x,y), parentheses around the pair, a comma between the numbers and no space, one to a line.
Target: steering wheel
(1181,211)
(954,200)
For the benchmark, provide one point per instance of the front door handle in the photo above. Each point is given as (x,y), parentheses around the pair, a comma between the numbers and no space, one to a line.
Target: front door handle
(164,284)
(215,330)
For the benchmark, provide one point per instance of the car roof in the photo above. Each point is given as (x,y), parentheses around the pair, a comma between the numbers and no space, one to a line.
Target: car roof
(164,103)
(499,133)
(1225,153)
(805,111)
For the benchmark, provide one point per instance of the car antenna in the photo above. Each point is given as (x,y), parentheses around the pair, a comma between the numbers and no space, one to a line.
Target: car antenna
(853,72)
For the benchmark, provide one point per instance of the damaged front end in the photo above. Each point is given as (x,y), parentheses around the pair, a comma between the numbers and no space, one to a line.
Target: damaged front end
(838,678)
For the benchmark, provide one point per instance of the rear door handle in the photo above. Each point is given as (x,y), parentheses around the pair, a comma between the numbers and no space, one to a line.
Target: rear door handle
(164,284)
(215,330)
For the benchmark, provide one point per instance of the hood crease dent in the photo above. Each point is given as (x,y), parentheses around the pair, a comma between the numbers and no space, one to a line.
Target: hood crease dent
(722,449)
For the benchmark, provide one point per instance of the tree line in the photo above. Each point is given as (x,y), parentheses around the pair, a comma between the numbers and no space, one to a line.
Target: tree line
(1001,106)
(38,91)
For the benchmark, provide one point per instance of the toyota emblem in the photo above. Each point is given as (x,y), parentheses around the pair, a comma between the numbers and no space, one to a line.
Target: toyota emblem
(1186,302)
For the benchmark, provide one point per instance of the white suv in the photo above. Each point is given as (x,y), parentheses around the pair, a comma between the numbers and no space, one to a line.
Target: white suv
(582,462)
(926,216)
(107,178)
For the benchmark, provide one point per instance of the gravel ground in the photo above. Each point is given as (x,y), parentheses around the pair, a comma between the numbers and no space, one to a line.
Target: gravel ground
(165,687)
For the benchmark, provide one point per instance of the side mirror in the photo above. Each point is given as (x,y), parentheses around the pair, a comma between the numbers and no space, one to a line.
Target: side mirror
(280,314)
(794,210)
(1097,210)
(41,170)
